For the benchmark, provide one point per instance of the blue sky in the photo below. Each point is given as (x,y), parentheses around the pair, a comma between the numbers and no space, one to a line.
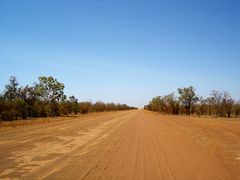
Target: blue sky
(122,51)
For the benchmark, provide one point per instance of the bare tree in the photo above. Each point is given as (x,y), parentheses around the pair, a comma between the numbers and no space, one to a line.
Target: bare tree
(217,98)
(227,103)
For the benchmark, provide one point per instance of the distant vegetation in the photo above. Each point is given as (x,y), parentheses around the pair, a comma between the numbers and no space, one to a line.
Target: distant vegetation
(219,104)
(45,98)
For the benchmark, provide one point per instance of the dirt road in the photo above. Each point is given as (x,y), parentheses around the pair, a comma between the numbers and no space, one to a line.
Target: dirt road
(122,145)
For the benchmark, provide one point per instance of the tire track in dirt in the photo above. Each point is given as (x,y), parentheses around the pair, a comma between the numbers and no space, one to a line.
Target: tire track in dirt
(69,156)
(103,166)
(22,154)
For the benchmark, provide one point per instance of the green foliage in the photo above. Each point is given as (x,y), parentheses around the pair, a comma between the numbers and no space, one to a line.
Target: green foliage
(187,97)
(165,104)
(218,104)
(74,105)
(12,89)
(45,98)
(49,89)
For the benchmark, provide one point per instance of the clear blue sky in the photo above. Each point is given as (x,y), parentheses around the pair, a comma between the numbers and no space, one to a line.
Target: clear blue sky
(122,51)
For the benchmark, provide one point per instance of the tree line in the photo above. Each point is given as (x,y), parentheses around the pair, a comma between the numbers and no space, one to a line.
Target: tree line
(45,98)
(219,104)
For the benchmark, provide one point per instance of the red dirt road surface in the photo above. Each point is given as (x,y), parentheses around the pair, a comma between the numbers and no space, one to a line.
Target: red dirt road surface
(130,145)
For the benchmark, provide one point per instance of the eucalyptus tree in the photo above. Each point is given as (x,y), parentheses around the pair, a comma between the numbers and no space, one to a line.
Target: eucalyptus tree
(51,92)
(187,97)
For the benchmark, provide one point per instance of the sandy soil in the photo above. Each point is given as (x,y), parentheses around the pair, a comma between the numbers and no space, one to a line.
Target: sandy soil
(130,145)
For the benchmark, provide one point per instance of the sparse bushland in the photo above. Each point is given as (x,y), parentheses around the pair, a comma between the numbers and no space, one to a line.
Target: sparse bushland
(219,104)
(45,98)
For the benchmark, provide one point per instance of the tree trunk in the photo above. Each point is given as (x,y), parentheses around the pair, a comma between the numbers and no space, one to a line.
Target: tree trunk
(229,114)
